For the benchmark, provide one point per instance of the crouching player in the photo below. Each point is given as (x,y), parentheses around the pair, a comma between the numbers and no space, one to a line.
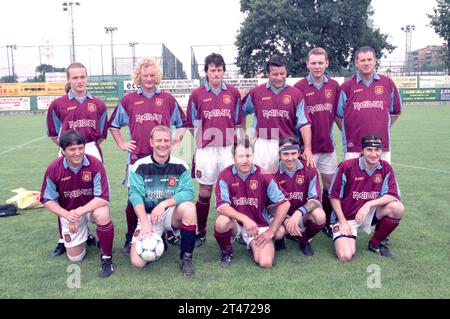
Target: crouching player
(364,192)
(300,182)
(242,192)
(75,188)
(161,191)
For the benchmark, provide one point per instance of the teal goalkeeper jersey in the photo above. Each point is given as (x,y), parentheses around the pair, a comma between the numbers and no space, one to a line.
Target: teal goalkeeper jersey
(152,183)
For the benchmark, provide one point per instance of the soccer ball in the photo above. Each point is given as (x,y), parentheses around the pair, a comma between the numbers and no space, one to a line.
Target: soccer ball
(150,248)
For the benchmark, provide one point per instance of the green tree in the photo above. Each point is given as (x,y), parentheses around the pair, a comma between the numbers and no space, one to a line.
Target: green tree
(440,22)
(293,27)
(41,70)
(9,79)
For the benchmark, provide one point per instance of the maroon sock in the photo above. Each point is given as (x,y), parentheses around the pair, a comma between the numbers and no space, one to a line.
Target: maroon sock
(311,230)
(132,219)
(385,228)
(202,213)
(224,240)
(326,204)
(59,228)
(105,234)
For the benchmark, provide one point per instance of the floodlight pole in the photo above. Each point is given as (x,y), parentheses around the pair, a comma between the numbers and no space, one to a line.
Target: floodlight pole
(68,6)
(408,29)
(133,51)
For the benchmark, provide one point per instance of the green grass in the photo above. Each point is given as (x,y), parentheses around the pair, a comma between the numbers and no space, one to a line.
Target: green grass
(421,154)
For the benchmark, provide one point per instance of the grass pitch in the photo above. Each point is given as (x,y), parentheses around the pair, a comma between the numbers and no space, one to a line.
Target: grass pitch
(421,157)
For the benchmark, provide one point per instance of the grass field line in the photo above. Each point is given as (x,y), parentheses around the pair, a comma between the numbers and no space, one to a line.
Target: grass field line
(22,145)
(423,168)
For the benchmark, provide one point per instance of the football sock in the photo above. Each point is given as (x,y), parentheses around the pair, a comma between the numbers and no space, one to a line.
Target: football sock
(311,230)
(385,228)
(202,213)
(105,234)
(132,219)
(187,239)
(326,204)
(224,240)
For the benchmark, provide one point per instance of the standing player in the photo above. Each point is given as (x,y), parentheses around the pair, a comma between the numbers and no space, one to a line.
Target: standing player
(321,96)
(300,183)
(75,188)
(214,111)
(77,110)
(364,192)
(279,112)
(141,111)
(242,193)
(368,103)
(161,191)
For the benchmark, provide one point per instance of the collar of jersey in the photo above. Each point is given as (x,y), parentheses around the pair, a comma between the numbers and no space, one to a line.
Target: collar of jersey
(149,96)
(84,163)
(244,177)
(284,170)
(363,168)
(311,81)
(72,96)
(359,78)
(209,88)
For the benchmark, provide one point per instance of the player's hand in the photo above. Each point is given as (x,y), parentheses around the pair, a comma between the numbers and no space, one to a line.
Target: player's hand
(157,214)
(73,227)
(308,157)
(345,229)
(128,147)
(175,145)
(73,216)
(146,230)
(251,227)
(291,224)
(262,239)
(362,213)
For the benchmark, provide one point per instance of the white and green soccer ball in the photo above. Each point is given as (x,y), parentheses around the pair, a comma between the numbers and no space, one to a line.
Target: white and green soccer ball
(150,248)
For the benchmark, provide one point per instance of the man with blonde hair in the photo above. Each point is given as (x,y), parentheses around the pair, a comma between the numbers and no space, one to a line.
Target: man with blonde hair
(141,111)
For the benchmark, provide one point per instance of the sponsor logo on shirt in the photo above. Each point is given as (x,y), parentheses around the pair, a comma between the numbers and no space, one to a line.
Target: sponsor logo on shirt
(87,176)
(70,108)
(78,192)
(245,201)
(66,178)
(227,99)
(73,125)
(328,94)
(357,179)
(357,90)
(148,180)
(91,107)
(365,195)
(140,118)
(159,101)
(253,185)
(310,93)
(287,99)
(295,195)
(320,108)
(275,113)
(207,100)
(377,179)
(172,181)
(235,184)
(300,179)
(368,105)
(379,89)
(160,193)
(139,102)
(266,98)
(217,113)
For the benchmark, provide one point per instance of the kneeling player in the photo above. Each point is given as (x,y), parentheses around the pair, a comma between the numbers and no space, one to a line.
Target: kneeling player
(364,192)
(160,191)
(75,188)
(242,192)
(300,182)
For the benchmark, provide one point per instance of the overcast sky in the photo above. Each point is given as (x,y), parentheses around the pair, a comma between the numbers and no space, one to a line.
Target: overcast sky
(179,24)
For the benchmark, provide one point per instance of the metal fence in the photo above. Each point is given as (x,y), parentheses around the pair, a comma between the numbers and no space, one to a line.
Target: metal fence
(200,52)
(98,59)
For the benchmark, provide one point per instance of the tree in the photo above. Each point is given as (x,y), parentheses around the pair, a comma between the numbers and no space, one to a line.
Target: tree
(9,79)
(42,69)
(293,27)
(440,22)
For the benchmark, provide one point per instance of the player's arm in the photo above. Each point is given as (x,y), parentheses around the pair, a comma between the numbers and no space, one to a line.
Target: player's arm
(53,124)
(365,209)
(305,131)
(92,205)
(124,146)
(338,122)
(55,208)
(344,227)
(136,197)
(340,109)
(250,226)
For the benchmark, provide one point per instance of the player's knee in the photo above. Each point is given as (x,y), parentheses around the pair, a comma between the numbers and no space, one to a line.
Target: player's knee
(344,255)
(205,191)
(222,224)
(101,215)
(77,258)
(188,213)
(398,209)
(281,231)
(318,216)
(266,263)
(137,261)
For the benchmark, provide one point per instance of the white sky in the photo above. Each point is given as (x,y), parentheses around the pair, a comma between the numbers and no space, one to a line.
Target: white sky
(177,23)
